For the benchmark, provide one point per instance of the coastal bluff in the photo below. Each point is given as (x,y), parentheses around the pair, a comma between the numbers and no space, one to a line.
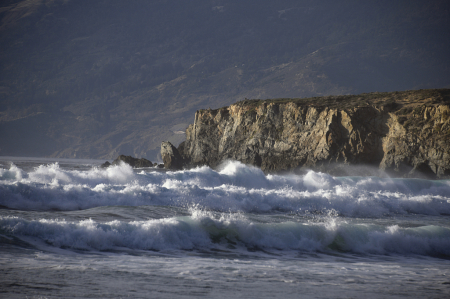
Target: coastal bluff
(401,133)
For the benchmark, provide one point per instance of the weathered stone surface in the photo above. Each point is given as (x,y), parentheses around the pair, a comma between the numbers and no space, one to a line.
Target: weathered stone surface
(171,157)
(403,138)
(133,162)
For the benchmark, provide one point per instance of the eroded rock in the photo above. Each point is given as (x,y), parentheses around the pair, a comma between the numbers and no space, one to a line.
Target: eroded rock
(404,138)
(133,162)
(171,157)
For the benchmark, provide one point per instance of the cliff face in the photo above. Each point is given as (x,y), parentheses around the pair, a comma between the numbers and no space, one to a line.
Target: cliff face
(402,133)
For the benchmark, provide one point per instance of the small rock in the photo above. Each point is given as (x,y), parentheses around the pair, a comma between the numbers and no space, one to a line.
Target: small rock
(133,162)
(105,165)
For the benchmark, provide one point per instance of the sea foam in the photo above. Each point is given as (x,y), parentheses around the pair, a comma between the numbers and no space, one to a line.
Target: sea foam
(234,187)
(230,232)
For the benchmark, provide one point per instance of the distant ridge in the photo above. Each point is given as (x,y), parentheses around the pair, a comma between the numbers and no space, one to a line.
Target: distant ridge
(97,78)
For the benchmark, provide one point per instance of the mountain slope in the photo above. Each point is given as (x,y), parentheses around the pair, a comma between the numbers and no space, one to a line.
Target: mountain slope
(95,79)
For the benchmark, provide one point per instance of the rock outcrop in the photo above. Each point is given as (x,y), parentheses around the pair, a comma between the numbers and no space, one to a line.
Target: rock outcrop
(105,165)
(171,156)
(402,133)
(133,162)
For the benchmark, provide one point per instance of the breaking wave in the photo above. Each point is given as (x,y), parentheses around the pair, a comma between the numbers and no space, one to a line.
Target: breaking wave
(229,233)
(235,187)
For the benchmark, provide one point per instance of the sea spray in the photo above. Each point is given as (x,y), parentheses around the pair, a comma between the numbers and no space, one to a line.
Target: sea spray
(235,187)
(67,227)
(206,230)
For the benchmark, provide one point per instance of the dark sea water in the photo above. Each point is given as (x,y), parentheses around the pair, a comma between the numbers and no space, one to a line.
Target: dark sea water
(69,229)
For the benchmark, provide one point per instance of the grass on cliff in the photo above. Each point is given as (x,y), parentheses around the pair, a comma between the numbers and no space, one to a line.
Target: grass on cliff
(397,100)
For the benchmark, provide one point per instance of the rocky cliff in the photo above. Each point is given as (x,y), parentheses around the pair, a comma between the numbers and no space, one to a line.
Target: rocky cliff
(402,133)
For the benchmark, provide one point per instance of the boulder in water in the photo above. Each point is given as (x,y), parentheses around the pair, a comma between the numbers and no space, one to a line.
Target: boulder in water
(105,165)
(171,157)
(133,162)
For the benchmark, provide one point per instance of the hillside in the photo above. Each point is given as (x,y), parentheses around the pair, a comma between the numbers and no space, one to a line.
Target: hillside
(95,79)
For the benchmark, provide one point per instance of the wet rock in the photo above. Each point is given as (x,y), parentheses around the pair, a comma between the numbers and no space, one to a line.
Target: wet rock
(133,162)
(105,165)
(171,157)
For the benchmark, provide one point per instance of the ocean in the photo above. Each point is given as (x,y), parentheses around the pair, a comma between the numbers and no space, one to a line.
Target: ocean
(70,229)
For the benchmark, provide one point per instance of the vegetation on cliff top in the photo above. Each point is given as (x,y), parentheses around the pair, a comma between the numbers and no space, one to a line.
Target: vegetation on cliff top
(391,100)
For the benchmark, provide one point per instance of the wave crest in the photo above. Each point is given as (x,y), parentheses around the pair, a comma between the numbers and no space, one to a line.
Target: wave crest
(235,187)
(230,232)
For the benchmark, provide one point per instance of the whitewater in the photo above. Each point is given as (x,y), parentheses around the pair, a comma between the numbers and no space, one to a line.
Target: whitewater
(69,228)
